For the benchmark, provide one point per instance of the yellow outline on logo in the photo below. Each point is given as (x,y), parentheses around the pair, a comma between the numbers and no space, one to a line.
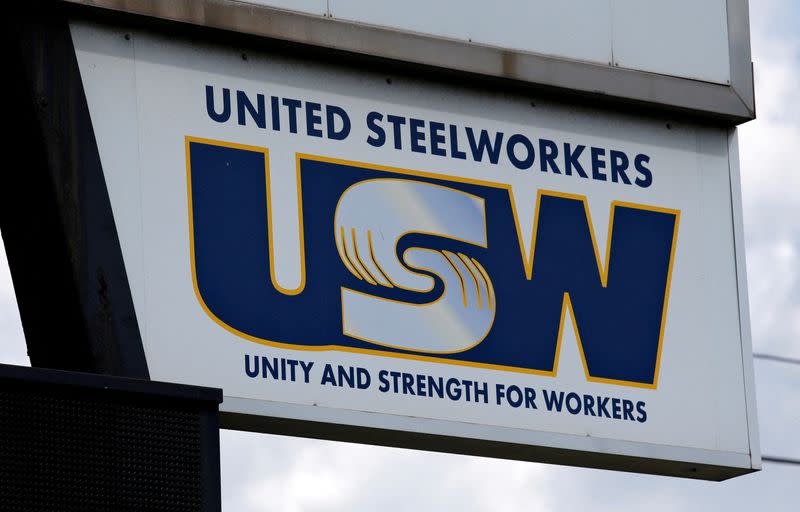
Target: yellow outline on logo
(401,235)
(527,260)
(603,272)
(440,297)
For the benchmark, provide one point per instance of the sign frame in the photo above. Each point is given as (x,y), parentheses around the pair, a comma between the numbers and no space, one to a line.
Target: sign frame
(121,352)
(571,79)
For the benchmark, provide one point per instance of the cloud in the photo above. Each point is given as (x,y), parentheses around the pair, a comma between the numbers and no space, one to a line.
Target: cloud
(770,176)
(318,476)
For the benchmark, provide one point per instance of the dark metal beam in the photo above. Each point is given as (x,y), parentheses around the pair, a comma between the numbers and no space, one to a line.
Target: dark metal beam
(55,215)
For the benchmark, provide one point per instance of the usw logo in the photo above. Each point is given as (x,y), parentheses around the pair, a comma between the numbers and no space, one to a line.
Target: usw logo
(406,264)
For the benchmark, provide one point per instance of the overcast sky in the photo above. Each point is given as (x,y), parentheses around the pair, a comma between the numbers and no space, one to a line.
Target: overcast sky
(282,474)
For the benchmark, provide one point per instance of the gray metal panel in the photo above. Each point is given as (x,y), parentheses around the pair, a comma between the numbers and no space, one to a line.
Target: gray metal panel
(481,440)
(732,104)
(744,304)
(682,38)
(739,50)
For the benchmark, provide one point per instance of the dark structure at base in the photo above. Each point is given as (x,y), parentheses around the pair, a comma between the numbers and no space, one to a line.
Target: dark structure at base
(81,442)
(55,214)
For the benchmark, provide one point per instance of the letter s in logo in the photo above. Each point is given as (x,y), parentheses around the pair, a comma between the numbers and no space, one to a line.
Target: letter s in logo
(371,218)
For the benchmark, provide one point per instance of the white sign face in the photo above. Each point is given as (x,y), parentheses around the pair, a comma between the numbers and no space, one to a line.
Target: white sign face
(334,246)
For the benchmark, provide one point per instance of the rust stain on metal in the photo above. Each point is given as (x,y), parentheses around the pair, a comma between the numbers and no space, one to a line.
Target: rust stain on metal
(509,64)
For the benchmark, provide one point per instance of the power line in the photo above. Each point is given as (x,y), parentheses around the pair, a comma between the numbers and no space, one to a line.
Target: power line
(778,359)
(780,460)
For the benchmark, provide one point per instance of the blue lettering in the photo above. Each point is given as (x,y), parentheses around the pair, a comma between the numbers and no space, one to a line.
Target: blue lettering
(553,400)
(384,382)
(627,410)
(619,164)
(520,163)
(292,106)
(378,136)
(598,163)
(588,405)
(272,369)
(530,398)
(454,151)
(548,152)
(226,105)
(642,417)
(573,403)
(397,122)
(314,119)
(417,135)
(332,113)
(254,372)
(647,177)
(257,114)
(571,159)
(437,138)
(328,377)
(276,113)
(602,403)
(484,145)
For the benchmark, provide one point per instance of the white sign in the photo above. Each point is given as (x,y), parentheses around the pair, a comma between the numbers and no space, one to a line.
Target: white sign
(327,245)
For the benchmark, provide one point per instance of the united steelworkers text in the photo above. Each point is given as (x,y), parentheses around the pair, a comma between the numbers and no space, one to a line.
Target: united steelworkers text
(406,132)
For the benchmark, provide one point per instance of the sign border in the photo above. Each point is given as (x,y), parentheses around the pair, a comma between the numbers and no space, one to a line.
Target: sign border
(42,48)
(732,103)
